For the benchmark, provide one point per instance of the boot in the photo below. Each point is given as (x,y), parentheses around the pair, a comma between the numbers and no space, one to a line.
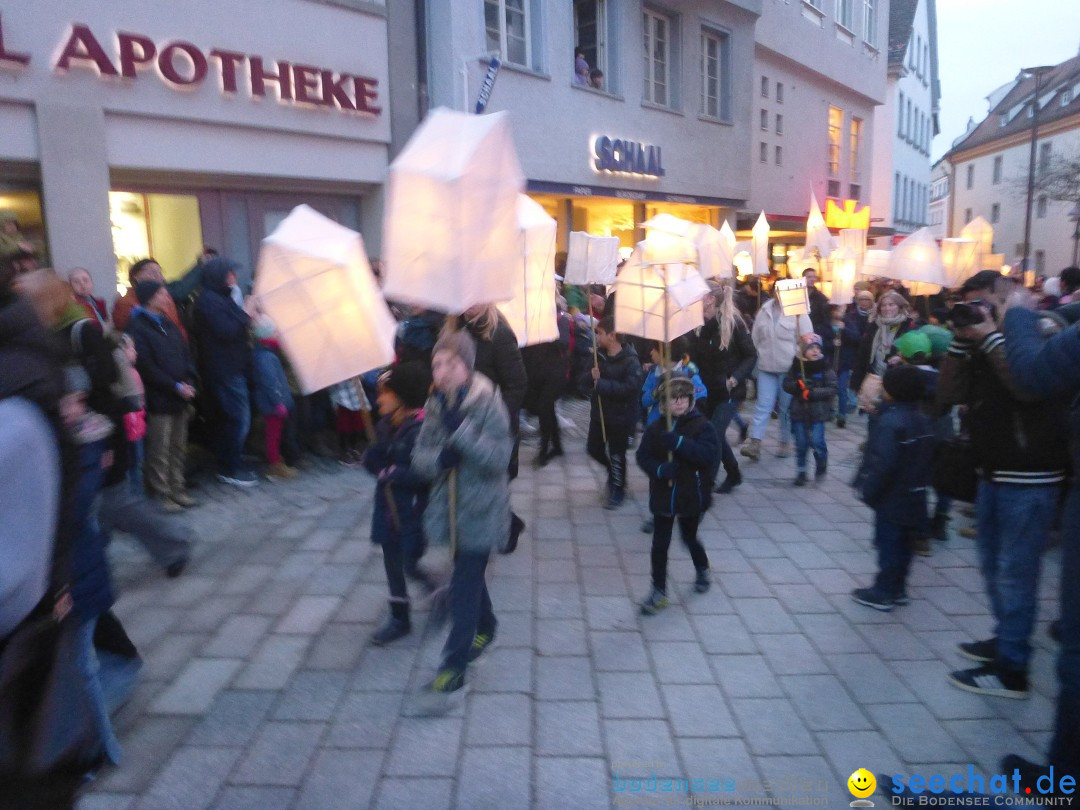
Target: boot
(396,626)
(939,527)
(556,445)
(752,449)
(543,457)
(731,480)
(617,489)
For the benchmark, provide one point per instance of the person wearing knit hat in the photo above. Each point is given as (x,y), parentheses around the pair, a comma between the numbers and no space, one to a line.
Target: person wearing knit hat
(809,340)
(400,496)
(892,480)
(915,348)
(812,385)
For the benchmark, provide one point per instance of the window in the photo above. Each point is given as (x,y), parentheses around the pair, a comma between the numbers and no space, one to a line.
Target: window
(900,115)
(997,169)
(910,121)
(779,124)
(1040,208)
(763,152)
(764,120)
(844,13)
(657,57)
(971,176)
(855,146)
(833,187)
(764,87)
(1066,97)
(779,156)
(995,213)
(590,32)
(870,22)
(907,201)
(714,75)
(1044,157)
(779,93)
(926,64)
(896,196)
(507,25)
(836,134)
(1040,262)
(967,216)
(855,190)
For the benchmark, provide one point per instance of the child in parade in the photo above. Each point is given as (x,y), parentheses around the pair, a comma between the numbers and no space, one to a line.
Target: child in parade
(272,396)
(614,386)
(892,481)
(679,462)
(400,494)
(463,449)
(650,389)
(812,385)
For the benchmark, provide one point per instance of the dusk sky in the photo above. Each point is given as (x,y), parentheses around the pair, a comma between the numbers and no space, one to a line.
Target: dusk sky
(982,44)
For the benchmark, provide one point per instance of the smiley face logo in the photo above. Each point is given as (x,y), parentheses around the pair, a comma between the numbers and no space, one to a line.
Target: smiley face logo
(861,783)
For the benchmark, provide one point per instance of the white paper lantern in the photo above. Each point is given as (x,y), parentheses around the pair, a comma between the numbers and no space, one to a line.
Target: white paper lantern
(843,263)
(726,261)
(982,233)
(647,298)
(854,240)
(760,243)
(961,260)
(450,230)
(591,259)
(313,279)
(917,259)
(531,312)
(818,236)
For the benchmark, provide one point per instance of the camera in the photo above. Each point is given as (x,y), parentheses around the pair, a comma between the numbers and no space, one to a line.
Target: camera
(970,313)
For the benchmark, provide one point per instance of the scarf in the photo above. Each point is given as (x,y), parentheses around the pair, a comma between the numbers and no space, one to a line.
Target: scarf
(883,340)
(71,314)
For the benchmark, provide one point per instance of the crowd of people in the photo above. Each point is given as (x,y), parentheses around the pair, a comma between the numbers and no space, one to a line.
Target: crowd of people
(986,370)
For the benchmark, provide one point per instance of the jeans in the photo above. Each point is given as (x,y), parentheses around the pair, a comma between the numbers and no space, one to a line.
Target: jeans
(661,542)
(721,418)
(769,389)
(232,395)
(807,435)
(1065,747)
(1012,526)
(470,609)
(845,398)
(894,557)
(136,454)
(94,678)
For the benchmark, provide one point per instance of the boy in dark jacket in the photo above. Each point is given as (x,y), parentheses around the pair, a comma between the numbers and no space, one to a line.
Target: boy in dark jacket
(680,464)
(400,494)
(614,385)
(892,481)
(812,385)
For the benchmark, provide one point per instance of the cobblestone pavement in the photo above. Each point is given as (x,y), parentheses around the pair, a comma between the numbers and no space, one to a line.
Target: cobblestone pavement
(260,689)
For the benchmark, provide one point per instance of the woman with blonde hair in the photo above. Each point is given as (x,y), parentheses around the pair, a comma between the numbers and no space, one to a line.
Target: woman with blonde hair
(890,318)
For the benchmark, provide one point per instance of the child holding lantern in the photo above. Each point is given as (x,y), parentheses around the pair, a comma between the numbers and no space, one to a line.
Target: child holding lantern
(812,385)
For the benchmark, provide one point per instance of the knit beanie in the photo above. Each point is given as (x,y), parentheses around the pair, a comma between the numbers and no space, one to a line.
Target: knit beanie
(808,340)
(459,343)
(904,383)
(145,290)
(410,381)
(914,346)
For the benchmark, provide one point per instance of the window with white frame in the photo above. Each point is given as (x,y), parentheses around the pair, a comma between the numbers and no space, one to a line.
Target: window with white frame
(657,32)
(763,152)
(900,116)
(836,136)
(779,156)
(590,32)
(779,93)
(844,13)
(507,26)
(779,124)
(870,22)
(764,86)
(715,60)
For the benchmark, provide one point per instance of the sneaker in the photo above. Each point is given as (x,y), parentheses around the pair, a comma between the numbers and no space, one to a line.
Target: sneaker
(982,652)
(446,682)
(820,473)
(752,449)
(703,582)
(801,479)
(280,471)
(902,599)
(871,598)
(784,451)
(392,629)
(176,568)
(967,531)
(169,505)
(731,480)
(654,603)
(481,643)
(990,679)
(922,547)
(239,478)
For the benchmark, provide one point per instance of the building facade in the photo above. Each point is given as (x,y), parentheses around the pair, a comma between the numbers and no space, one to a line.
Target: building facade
(819,76)
(619,109)
(938,212)
(131,129)
(991,168)
(908,121)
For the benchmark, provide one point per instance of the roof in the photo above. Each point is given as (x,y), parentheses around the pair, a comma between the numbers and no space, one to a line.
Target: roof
(1060,98)
(901,22)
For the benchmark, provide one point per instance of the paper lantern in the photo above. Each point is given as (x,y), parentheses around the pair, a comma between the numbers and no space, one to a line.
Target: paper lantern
(313,279)
(799,261)
(993,261)
(760,242)
(726,260)
(591,259)
(854,239)
(794,296)
(981,232)
(843,264)
(818,236)
(664,247)
(961,260)
(876,263)
(531,312)
(450,230)
(668,223)
(657,301)
(743,264)
(917,259)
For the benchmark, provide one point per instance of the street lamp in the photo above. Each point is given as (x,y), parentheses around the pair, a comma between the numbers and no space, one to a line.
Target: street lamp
(1074,216)
(1027,73)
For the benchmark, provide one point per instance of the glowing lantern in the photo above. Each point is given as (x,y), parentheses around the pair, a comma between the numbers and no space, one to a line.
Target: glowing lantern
(817,233)
(961,260)
(982,233)
(591,259)
(726,261)
(854,239)
(657,301)
(844,265)
(917,259)
(794,296)
(531,312)
(760,246)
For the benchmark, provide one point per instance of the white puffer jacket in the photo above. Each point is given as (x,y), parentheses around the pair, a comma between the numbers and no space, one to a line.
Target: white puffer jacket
(774,338)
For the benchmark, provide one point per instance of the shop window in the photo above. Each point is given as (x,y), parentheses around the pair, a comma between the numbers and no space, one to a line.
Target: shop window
(509,29)
(165,226)
(25,204)
(715,61)
(659,39)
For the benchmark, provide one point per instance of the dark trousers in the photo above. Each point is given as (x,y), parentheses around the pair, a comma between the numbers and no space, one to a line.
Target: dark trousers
(894,557)
(231,394)
(470,609)
(661,542)
(721,418)
(401,559)
(1065,747)
(612,455)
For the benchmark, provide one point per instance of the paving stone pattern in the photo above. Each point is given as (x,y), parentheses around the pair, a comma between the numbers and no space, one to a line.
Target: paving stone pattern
(260,688)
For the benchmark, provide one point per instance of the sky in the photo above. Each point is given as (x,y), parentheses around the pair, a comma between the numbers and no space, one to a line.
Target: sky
(982,44)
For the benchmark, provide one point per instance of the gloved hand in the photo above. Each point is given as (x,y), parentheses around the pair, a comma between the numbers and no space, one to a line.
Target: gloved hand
(804,392)
(449,458)
(667,471)
(281,410)
(452,420)
(670,439)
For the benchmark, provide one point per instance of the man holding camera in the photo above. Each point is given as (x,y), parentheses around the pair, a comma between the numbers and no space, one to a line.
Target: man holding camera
(1020,449)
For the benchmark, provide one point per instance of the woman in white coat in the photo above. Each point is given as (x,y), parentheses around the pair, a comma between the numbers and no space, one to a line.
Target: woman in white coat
(774,338)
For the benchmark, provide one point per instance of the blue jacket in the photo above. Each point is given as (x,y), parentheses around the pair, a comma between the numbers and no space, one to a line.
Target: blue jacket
(271,384)
(855,326)
(220,326)
(689,491)
(897,464)
(407,491)
(649,389)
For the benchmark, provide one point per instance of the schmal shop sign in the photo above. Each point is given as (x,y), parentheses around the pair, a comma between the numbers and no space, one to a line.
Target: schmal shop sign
(183,66)
(618,156)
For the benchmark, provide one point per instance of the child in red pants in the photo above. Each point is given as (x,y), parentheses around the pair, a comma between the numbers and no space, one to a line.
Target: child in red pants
(272,397)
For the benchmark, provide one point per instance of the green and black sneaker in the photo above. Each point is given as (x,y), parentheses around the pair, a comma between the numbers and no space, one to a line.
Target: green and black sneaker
(481,643)
(656,601)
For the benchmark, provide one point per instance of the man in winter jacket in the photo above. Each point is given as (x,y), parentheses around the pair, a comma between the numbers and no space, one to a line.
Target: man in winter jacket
(221,329)
(774,338)
(856,322)
(168,374)
(143,270)
(1017,441)
(1051,367)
